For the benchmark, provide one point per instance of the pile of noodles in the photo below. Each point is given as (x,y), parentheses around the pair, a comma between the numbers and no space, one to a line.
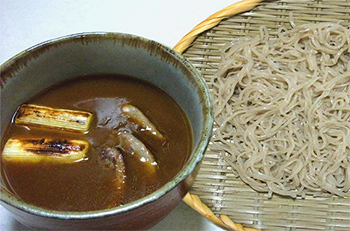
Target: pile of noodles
(282,110)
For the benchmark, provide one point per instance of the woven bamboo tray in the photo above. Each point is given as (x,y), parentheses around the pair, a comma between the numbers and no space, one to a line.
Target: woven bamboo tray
(216,193)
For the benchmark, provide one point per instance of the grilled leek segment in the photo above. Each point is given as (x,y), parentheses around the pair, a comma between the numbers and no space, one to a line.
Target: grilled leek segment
(37,149)
(131,145)
(30,114)
(141,120)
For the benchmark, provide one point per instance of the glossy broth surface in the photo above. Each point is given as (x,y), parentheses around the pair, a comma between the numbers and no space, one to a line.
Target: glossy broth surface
(87,184)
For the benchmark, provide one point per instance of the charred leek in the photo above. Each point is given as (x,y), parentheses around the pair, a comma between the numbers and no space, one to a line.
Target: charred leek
(29,114)
(37,149)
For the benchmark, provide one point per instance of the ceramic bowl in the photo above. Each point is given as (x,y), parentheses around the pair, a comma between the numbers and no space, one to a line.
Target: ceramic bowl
(63,58)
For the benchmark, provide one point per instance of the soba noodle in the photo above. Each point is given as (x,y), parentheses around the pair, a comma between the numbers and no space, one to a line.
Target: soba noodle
(282,110)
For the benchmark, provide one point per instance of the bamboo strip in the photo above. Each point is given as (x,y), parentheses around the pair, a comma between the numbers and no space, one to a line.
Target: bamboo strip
(193,200)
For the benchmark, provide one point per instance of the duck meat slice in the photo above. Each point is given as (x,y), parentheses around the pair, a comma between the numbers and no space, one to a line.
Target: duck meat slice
(113,159)
(139,119)
(134,147)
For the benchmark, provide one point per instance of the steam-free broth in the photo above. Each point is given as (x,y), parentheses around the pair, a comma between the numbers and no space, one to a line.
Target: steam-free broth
(90,184)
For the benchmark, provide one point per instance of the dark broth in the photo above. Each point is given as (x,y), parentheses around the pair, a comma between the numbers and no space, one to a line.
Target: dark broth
(88,185)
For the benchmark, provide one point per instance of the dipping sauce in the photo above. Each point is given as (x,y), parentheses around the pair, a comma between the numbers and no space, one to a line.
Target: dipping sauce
(89,184)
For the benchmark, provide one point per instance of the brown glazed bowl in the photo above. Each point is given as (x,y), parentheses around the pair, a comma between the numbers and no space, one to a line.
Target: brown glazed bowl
(59,59)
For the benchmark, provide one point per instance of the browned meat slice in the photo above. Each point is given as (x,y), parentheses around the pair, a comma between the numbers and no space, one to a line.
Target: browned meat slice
(139,119)
(114,159)
(131,145)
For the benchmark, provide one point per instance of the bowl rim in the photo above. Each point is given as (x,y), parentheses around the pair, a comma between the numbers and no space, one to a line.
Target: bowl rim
(197,153)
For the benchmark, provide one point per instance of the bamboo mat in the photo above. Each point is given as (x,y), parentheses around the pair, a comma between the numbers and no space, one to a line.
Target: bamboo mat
(216,193)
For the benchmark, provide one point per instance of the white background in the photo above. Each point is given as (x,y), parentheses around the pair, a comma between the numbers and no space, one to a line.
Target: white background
(24,23)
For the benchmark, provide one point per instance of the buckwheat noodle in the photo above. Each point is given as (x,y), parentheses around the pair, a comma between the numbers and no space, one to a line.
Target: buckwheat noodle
(282,110)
